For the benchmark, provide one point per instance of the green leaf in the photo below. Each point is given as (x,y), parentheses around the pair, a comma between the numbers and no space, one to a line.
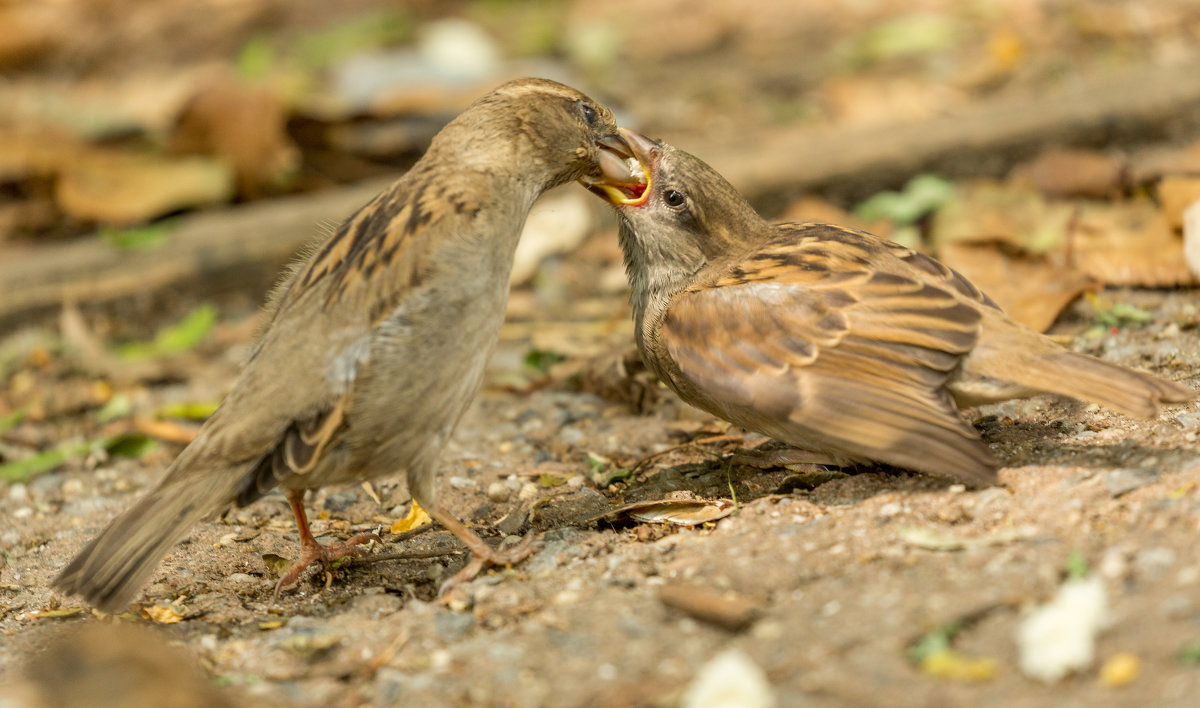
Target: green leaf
(139,238)
(255,60)
(1189,653)
(30,467)
(124,445)
(921,195)
(175,339)
(936,641)
(14,419)
(542,360)
(1077,566)
(188,410)
(549,480)
(130,445)
(119,406)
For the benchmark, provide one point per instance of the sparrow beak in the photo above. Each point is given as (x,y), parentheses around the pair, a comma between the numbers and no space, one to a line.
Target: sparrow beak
(624,169)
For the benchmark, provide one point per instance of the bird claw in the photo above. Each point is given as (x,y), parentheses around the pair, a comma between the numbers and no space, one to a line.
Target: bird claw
(312,552)
(481,559)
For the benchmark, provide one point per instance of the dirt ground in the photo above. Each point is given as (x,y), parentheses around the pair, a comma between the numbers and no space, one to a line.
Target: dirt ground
(835,593)
(826,580)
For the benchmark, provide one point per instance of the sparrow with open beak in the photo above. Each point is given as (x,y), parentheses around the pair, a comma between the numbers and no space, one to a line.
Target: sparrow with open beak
(374,343)
(846,346)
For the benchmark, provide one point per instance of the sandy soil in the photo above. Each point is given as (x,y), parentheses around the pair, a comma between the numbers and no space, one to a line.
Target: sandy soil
(828,584)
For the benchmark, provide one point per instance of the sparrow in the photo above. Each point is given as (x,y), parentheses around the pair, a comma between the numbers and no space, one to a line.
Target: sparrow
(845,346)
(373,343)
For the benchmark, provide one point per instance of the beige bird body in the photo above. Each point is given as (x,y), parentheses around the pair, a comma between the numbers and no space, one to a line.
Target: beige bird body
(375,342)
(842,344)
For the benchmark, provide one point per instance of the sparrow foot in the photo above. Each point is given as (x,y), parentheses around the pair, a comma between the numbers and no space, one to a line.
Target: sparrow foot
(482,555)
(311,551)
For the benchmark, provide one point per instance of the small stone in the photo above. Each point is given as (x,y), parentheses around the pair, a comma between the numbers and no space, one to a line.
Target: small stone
(457,482)
(730,679)
(528,492)
(451,626)
(341,501)
(571,436)
(576,482)
(1152,563)
(1124,480)
(513,483)
(498,492)
(18,492)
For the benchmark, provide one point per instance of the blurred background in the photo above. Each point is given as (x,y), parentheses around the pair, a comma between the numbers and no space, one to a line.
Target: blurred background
(161,160)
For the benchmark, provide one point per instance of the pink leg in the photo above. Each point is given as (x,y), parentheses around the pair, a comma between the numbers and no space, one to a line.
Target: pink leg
(482,555)
(310,550)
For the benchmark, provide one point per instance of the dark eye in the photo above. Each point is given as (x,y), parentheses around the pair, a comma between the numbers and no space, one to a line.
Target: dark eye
(588,111)
(673,198)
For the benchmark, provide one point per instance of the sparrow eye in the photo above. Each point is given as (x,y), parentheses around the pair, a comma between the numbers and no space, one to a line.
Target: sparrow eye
(588,111)
(673,198)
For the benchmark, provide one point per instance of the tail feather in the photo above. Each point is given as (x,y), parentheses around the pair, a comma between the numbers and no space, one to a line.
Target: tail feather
(1122,389)
(117,563)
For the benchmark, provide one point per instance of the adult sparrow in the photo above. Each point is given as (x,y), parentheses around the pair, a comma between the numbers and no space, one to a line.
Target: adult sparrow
(846,346)
(373,344)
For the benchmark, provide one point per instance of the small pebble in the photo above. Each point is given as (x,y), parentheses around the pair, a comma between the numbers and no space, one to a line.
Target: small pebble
(528,491)
(498,492)
(458,482)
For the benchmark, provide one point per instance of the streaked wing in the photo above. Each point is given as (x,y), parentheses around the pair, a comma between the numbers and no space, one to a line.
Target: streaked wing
(806,332)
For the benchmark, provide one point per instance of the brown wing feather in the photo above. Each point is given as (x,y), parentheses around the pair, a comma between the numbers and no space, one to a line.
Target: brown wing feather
(296,454)
(815,346)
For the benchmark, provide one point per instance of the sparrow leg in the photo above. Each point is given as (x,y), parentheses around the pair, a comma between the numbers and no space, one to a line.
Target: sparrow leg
(782,457)
(482,555)
(312,551)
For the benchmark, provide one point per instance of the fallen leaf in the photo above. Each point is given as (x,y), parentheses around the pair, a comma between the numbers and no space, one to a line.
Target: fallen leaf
(1031,288)
(120,188)
(1176,194)
(550,480)
(990,211)
(681,512)
(180,337)
(271,624)
(1128,243)
(168,430)
(1073,173)
(276,565)
(949,665)
(416,517)
(922,195)
(245,127)
(188,410)
(1120,669)
(56,613)
(163,615)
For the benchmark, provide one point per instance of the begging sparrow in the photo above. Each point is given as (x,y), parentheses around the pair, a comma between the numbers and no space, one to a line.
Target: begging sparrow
(845,345)
(374,344)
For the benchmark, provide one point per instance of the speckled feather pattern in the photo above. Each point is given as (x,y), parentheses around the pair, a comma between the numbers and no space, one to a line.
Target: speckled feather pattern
(376,339)
(834,340)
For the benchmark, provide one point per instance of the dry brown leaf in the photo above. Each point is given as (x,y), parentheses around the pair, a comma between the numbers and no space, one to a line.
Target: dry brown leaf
(1073,173)
(1176,194)
(681,512)
(1032,289)
(243,126)
(118,188)
(1128,243)
(985,210)
(810,208)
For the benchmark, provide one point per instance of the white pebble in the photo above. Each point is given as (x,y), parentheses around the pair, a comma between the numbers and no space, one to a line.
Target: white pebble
(730,680)
(1060,637)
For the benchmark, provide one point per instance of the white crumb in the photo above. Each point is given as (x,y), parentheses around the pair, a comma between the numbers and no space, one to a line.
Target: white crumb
(1060,637)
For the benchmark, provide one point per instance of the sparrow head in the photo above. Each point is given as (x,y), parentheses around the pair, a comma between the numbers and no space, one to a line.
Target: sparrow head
(557,133)
(672,205)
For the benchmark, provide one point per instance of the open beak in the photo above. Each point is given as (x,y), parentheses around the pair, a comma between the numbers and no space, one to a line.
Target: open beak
(625,168)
